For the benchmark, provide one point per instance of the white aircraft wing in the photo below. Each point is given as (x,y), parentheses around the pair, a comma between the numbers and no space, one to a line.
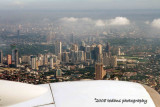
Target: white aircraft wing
(45,100)
(101,93)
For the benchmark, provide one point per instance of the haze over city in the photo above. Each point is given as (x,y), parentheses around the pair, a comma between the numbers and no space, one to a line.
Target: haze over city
(45,41)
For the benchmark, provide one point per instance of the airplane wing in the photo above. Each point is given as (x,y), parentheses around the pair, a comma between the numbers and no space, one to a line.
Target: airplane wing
(96,93)
(44,100)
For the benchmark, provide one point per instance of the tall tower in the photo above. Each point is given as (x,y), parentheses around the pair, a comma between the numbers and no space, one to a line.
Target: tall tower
(33,62)
(80,56)
(119,51)
(15,57)
(9,60)
(51,62)
(99,55)
(1,57)
(100,73)
(108,49)
(65,57)
(58,49)
(113,61)
(99,49)
(72,38)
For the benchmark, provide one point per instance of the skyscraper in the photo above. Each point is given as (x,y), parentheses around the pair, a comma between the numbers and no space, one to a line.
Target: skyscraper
(33,62)
(100,73)
(74,56)
(45,60)
(15,57)
(74,47)
(107,49)
(55,60)
(72,38)
(113,61)
(119,51)
(58,49)
(1,57)
(65,57)
(98,53)
(106,59)
(83,43)
(51,62)
(80,56)
(99,47)
(58,73)
(9,60)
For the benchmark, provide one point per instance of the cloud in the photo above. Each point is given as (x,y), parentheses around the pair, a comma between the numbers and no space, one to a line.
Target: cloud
(69,19)
(147,22)
(119,21)
(156,23)
(100,23)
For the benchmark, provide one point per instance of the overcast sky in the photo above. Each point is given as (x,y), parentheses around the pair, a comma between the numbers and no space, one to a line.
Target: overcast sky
(79,4)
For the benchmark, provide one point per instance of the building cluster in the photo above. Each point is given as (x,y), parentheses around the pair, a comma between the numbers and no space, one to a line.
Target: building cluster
(11,60)
(75,54)
(69,60)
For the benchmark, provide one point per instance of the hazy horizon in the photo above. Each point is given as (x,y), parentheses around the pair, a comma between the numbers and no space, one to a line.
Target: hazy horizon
(78,4)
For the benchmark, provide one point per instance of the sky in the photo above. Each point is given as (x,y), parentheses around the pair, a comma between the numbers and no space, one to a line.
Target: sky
(79,4)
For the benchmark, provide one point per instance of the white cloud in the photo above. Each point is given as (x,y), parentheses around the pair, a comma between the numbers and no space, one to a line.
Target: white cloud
(86,19)
(147,22)
(156,23)
(69,19)
(119,21)
(100,23)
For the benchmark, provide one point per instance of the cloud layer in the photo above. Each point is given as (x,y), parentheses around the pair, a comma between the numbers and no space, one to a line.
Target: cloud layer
(117,21)
(156,23)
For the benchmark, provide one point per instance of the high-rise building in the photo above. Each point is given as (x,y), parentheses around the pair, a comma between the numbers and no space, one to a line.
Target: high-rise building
(33,62)
(72,40)
(88,55)
(83,43)
(113,61)
(65,57)
(9,59)
(106,59)
(98,54)
(58,73)
(107,49)
(99,47)
(119,51)
(74,47)
(55,59)
(58,49)
(74,56)
(87,49)
(45,60)
(51,62)
(99,71)
(26,59)
(1,57)
(80,56)
(15,57)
